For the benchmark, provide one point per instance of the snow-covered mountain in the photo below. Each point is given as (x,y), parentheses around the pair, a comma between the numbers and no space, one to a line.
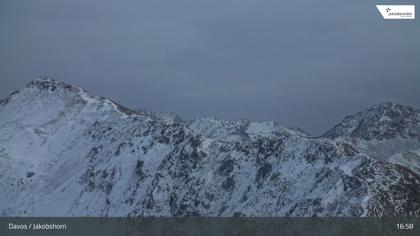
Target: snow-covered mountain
(240,131)
(65,152)
(388,132)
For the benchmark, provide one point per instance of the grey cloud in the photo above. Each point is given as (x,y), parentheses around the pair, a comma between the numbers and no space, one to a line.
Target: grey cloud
(304,63)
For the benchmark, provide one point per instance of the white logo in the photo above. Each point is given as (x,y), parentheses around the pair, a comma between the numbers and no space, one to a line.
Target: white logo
(397,11)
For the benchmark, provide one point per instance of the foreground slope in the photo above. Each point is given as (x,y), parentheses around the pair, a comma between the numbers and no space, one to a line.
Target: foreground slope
(65,152)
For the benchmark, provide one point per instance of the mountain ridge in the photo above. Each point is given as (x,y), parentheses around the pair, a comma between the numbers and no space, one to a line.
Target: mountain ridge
(65,152)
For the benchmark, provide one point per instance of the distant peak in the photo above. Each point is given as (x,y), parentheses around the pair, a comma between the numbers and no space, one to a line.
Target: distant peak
(383,121)
(390,106)
(166,116)
(48,83)
(214,119)
(387,112)
(44,80)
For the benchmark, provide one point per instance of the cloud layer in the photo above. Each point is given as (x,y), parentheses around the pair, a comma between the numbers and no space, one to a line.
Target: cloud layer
(303,63)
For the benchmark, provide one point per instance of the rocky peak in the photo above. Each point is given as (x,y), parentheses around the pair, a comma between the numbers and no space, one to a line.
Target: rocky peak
(50,84)
(383,121)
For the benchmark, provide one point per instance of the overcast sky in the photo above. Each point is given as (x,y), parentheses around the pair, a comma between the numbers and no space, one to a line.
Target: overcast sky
(306,63)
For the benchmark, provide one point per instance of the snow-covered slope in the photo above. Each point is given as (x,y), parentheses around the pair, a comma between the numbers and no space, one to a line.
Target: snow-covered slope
(243,130)
(388,132)
(65,152)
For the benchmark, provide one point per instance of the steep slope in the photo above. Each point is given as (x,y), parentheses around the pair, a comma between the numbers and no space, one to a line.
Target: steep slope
(388,132)
(65,152)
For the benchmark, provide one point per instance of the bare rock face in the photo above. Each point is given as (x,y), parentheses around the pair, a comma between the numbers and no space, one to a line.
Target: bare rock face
(65,152)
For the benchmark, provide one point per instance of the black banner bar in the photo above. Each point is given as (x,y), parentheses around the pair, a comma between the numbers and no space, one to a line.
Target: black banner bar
(90,226)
